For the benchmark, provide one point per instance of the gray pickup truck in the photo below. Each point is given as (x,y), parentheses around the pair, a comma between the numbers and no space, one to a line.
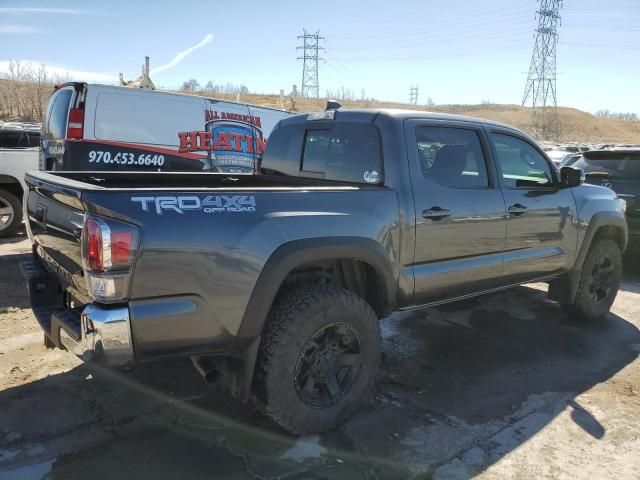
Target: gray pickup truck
(275,283)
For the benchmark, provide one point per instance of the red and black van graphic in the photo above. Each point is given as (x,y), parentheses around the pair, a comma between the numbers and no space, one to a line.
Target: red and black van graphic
(233,140)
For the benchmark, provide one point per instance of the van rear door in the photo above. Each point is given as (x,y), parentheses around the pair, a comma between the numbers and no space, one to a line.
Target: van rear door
(54,129)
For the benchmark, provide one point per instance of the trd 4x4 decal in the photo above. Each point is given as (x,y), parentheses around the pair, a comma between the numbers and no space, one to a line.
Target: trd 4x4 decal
(209,204)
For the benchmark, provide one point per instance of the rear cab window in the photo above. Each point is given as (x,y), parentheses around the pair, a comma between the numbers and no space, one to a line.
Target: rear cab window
(348,152)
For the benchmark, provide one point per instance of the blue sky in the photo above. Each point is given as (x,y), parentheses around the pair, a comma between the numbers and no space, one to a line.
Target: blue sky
(458,51)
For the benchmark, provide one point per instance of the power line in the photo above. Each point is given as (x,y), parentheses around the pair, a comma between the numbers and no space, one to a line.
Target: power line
(457,53)
(487,17)
(541,80)
(310,58)
(450,39)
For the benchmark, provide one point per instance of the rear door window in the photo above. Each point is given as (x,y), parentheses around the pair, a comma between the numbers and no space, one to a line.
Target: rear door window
(452,157)
(57,122)
(343,152)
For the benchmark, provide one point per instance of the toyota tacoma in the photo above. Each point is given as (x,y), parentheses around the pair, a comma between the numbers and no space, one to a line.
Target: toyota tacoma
(275,283)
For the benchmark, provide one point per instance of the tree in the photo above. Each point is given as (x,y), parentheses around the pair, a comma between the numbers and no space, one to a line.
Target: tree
(191,85)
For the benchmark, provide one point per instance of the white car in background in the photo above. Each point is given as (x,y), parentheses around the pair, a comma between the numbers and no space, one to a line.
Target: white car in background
(556,156)
(18,154)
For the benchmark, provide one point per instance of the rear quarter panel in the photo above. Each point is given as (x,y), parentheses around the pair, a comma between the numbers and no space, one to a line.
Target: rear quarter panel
(196,271)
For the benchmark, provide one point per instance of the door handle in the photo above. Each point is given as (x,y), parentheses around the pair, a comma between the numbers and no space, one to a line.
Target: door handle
(517,210)
(436,213)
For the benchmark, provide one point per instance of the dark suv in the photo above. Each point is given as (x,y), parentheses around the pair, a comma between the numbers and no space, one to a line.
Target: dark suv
(619,170)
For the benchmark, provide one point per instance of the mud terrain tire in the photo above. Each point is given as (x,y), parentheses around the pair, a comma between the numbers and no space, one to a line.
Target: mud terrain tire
(318,358)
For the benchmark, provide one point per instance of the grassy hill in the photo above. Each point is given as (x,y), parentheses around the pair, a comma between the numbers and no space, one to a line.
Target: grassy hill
(27,101)
(575,125)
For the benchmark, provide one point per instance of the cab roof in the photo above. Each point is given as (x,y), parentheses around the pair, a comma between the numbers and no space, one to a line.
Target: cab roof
(370,115)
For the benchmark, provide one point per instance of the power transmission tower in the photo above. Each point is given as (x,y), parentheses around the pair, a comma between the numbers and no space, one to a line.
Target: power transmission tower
(413,95)
(310,57)
(540,88)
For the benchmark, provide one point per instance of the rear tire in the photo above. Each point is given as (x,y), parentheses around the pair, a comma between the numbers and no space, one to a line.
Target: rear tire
(599,281)
(10,214)
(318,358)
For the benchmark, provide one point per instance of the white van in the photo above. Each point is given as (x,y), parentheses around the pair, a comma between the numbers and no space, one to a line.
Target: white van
(100,127)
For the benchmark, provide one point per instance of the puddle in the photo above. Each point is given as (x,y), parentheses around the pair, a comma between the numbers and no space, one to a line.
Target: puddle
(154,454)
(34,471)
(305,448)
(6,455)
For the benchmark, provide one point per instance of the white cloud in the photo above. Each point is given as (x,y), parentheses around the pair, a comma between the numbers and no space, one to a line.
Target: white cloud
(28,10)
(63,72)
(20,29)
(182,55)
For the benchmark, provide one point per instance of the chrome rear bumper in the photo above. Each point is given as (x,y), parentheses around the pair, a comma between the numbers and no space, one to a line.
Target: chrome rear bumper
(95,333)
(105,336)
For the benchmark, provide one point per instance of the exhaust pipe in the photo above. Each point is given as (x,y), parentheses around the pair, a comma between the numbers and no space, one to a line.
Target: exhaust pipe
(206,368)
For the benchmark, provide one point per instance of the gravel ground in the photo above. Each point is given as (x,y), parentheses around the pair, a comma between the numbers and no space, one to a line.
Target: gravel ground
(503,386)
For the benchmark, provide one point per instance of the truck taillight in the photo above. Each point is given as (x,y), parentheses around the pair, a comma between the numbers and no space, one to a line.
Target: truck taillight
(108,251)
(92,243)
(75,126)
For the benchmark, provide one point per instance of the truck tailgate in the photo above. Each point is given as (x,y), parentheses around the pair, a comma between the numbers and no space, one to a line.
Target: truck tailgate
(55,217)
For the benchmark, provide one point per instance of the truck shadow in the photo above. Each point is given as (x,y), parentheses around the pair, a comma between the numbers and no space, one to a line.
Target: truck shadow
(12,292)
(452,378)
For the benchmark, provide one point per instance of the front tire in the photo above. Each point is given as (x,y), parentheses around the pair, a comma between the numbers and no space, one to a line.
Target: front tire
(599,281)
(10,214)
(318,358)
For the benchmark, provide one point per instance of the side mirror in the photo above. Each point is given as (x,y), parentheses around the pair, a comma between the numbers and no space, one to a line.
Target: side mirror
(571,176)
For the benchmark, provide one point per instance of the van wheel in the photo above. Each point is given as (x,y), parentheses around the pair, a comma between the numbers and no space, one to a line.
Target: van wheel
(318,358)
(10,214)
(599,281)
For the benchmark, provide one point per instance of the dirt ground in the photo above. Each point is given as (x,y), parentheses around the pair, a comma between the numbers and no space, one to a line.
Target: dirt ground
(503,386)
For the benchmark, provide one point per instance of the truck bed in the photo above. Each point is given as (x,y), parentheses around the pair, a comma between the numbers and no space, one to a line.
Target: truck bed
(191,181)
